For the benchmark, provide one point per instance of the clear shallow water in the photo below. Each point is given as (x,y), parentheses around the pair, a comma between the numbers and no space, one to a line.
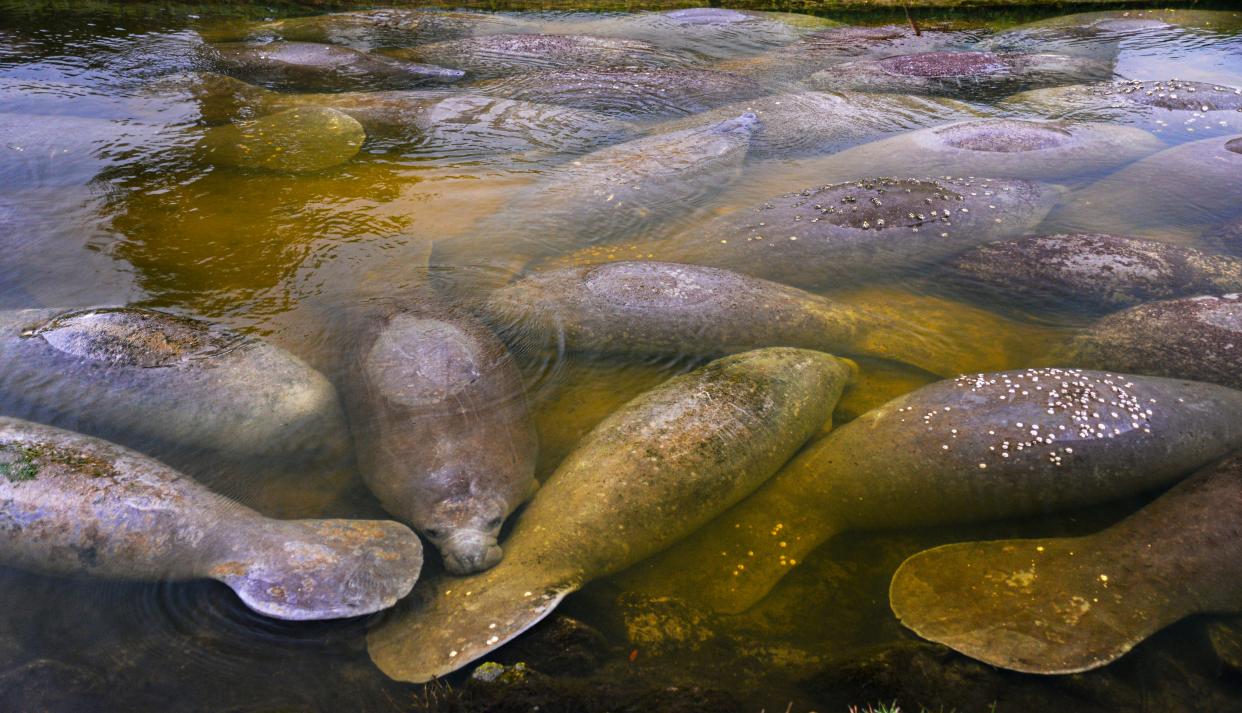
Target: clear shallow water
(109,194)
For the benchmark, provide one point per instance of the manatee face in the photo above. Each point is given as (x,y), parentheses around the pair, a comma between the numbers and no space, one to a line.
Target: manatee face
(1004,135)
(465,530)
(133,337)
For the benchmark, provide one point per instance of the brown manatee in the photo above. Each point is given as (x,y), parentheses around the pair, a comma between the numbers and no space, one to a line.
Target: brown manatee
(658,468)
(979,447)
(79,506)
(391,27)
(635,92)
(440,421)
(1066,605)
(1170,108)
(645,309)
(131,374)
(310,66)
(1191,338)
(837,234)
(1091,272)
(1171,195)
(998,148)
(292,141)
(960,73)
(501,54)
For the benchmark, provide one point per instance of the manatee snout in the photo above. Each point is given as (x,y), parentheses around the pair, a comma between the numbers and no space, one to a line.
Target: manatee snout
(469,551)
(747,123)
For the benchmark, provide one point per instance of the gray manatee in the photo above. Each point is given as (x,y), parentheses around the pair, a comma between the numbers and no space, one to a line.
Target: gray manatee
(442,430)
(797,124)
(1192,338)
(707,31)
(308,66)
(627,92)
(297,140)
(1065,605)
(1178,192)
(960,74)
(654,471)
(1092,271)
(391,27)
(834,235)
(78,506)
(132,374)
(501,54)
(997,148)
(979,447)
(1170,108)
(645,309)
(606,195)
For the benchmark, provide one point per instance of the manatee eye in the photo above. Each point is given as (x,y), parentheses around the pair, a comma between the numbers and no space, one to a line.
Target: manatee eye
(494,523)
(433,534)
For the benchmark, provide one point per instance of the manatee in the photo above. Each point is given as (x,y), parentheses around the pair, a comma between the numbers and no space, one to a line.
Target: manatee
(979,447)
(1179,191)
(1135,19)
(998,148)
(1170,108)
(1092,272)
(498,55)
(308,66)
(297,140)
(132,375)
(607,195)
(636,92)
(798,124)
(443,434)
(391,27)
(79,506)
(1097,38)
(832,235)
(1066,605)
(960,74)
(645,309)
(1192,338)
(658,468)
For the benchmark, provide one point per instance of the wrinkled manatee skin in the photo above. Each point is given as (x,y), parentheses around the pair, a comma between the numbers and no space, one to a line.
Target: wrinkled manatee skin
(292,141)
(648,475)
(835,235)
(1068,605)
(444,437)
(1094,271)
(979,447)
(78,506)
(133,375)
(1193,338)
(307,66)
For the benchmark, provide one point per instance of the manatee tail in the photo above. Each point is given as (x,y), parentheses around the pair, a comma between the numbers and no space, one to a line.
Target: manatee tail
(1037,606)
(322,569)
(453,621)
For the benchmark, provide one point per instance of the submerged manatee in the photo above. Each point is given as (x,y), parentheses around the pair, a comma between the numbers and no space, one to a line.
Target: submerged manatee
(708,31)
(1179,191)
(391,27)
(1169,107)
(132,374)
(1193,338)
(638,92)
(800,124)
(967,73)
(496,55)
(1066,605)
(655,470)
(78,506)
(292,141)
(998,148)
(444,437)
(848,232)
(1093,271)
(658,309)
(311,66)
(980,447)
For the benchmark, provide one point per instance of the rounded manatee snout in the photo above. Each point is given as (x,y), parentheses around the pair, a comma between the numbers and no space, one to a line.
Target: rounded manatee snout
(469,551)
(745,124)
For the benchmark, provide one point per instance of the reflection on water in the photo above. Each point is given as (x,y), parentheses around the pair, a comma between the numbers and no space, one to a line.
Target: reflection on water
(290,175)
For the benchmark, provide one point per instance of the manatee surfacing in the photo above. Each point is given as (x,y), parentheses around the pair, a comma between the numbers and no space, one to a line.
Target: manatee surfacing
(944,64)
(1004,135)
(133,337)
(636,284)
(424,372)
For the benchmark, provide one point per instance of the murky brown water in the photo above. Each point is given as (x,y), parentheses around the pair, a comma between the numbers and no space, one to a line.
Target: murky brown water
(142,163)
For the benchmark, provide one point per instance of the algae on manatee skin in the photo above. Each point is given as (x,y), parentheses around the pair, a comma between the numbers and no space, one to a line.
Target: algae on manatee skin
(22,467)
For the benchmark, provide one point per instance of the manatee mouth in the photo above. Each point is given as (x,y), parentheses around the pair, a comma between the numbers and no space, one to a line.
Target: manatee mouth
(470,551)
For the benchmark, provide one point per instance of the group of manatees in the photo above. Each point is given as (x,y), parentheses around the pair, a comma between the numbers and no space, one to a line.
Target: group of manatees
(1078,338)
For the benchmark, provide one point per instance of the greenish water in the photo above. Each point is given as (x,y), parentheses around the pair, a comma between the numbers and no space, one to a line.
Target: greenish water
(122,183)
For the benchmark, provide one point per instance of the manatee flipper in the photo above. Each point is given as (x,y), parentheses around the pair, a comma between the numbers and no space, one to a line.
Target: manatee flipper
(322,569)
(1067,605)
